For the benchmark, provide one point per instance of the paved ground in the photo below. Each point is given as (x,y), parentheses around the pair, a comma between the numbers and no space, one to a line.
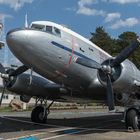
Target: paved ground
(65,125)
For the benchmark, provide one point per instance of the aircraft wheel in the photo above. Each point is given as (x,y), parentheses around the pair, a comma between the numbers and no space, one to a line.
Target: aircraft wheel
(38,115)
(132,120)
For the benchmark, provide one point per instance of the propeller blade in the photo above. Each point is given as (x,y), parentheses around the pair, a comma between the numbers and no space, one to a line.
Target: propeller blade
(2,69)
(125,53)
(14,73)
(3,91)
(110,94)
(88,63)
(19,71)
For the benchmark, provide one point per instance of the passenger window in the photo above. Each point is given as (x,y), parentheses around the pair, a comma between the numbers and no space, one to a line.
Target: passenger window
(91,49)
(49,29)
(81,49)
(57,32)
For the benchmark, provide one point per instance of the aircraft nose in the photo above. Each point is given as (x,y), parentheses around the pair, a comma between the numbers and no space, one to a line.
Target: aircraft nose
(15,38)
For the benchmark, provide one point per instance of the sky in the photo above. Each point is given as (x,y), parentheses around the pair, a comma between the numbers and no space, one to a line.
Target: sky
(82,16)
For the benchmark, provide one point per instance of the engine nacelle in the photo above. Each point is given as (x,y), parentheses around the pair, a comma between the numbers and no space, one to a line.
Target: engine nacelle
(122,77)
(38,86)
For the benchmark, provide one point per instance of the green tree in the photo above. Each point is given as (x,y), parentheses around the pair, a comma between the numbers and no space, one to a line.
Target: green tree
(115,46)
(124,40)
(104,41)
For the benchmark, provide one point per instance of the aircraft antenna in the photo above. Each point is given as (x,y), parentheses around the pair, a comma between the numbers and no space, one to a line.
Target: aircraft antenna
(26,21)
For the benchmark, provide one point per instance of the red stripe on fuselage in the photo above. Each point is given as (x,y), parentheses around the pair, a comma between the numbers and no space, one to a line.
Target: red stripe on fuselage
(62,73)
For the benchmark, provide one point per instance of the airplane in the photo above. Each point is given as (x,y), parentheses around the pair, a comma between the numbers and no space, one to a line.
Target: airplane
(81,71)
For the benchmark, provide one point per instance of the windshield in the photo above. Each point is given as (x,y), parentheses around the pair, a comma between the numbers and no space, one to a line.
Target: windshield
(49,29)
(38,27)
(57,32)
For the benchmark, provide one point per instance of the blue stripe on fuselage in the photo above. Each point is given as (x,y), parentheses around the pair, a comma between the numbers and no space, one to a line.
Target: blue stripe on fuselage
(69,50)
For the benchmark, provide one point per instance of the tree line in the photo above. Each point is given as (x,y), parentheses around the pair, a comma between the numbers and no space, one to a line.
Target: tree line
(114,46)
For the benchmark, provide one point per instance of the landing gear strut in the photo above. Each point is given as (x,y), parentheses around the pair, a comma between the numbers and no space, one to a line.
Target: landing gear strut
(132,118)
(40,112)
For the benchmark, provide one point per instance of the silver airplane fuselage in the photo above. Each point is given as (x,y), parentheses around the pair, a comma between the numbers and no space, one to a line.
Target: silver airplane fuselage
(53,56)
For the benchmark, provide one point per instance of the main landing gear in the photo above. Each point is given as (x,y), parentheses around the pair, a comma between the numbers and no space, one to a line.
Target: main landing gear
(132,118)
(40,112)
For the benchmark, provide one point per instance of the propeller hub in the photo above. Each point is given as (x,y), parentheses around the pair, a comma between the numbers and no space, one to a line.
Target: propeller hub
(4,76)
(107,69)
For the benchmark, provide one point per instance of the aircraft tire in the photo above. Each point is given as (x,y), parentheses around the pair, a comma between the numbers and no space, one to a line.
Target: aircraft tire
(37,115)
(132,120)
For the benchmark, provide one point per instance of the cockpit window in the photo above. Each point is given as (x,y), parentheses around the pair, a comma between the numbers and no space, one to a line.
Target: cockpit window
(57,31)
(38,27)
(49,29)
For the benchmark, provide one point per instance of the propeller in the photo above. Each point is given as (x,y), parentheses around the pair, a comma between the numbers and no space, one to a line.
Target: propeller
(19,70)
(110,94)
(9,76)
(107,69)
(126,52)
(2,70)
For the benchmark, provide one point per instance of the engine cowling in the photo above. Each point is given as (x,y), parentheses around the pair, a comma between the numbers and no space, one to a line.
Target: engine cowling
(22,85)
(122,76)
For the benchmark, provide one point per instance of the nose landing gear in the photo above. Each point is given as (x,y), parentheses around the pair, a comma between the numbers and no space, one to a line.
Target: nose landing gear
(40,112)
